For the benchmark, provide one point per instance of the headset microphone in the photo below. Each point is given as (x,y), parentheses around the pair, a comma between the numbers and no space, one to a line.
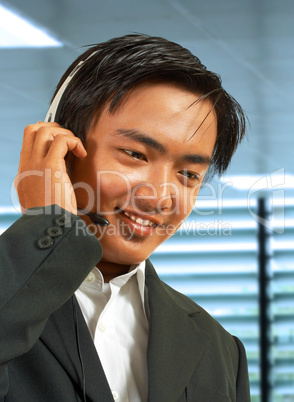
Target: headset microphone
(95,218)
(52,115)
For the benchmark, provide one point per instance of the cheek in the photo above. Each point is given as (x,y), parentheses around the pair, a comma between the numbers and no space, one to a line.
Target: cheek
(119,183)
(193,196)
(112,185)
(184,202)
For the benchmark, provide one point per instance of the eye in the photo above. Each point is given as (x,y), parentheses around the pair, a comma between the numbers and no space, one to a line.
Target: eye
(190,176)
(135,155)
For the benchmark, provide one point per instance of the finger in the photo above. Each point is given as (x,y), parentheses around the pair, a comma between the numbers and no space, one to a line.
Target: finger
(44,139)
(62,144)
(29,136)
(48,124)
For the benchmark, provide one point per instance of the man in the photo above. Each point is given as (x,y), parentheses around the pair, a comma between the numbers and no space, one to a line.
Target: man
(139,123)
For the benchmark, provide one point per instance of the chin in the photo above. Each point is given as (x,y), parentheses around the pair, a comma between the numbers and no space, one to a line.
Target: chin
(121,259)
(125,254)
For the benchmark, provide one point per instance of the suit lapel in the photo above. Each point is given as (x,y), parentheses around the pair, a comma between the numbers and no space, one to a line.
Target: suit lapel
(175,344)
(60,337)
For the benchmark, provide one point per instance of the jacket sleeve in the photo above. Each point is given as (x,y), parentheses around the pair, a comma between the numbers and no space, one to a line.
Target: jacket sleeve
(242,386)
(44,257)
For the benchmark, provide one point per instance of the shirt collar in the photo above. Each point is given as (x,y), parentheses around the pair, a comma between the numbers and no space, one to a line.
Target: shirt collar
(121,280)
(141,280)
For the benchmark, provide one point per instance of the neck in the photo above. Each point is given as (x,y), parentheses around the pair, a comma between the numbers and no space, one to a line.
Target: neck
(111,270)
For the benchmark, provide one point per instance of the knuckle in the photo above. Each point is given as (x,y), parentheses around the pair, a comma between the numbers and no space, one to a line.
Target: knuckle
(59,138)
(42,130)
(28,129)
(69,132)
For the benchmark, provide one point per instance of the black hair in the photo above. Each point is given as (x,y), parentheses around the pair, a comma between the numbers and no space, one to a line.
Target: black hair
(121,64)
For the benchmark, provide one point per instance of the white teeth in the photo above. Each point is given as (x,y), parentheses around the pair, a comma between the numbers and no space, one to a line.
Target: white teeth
(147,223)
(139,220)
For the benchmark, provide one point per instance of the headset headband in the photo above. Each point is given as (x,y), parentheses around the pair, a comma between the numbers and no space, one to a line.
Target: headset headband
(51,115)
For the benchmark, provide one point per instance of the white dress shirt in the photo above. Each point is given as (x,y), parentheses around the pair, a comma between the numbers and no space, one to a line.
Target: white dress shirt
(116,318)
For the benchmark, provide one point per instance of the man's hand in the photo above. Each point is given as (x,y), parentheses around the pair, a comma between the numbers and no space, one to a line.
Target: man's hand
(42,178)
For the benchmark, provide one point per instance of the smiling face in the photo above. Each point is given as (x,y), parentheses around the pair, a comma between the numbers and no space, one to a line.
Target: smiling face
(144,168)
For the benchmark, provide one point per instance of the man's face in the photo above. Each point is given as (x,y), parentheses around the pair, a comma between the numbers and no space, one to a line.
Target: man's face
(144,168)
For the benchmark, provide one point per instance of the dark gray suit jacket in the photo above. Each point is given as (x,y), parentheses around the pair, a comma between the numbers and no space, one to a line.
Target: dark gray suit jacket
(46,351)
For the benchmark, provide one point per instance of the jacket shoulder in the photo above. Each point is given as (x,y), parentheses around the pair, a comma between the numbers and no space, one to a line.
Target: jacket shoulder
(202,318)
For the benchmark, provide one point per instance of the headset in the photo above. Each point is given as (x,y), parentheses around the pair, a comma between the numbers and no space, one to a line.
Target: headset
(55,106)
(53,114)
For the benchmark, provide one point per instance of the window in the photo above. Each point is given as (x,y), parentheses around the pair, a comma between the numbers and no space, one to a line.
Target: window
(281,291)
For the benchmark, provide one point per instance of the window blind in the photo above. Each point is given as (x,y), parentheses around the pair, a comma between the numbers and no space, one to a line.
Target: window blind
(282,304)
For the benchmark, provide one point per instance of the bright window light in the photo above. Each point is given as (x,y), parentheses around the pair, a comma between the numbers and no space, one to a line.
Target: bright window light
(15,31)
(277,180)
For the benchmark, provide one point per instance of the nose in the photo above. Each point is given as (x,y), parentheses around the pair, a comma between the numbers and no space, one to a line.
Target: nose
(156,195)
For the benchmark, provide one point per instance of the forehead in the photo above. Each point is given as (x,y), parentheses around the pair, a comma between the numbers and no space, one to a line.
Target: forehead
(163,111)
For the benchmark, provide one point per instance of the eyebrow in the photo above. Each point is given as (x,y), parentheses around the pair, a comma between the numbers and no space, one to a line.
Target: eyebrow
(143,138)
(197,159)
(138,136)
